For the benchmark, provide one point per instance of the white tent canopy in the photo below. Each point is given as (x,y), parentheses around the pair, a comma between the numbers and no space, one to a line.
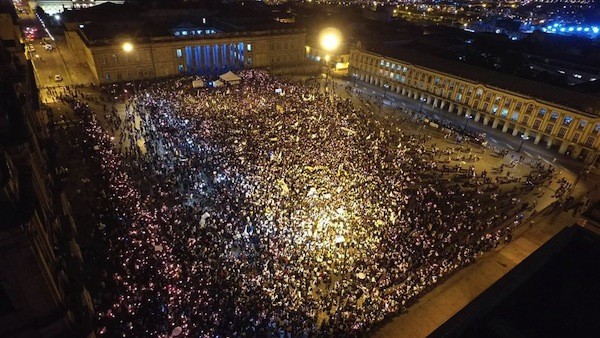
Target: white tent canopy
(230,78)
(217,83)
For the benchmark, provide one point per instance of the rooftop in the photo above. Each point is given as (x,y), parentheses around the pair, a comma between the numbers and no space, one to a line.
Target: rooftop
(552,293)
(584,102)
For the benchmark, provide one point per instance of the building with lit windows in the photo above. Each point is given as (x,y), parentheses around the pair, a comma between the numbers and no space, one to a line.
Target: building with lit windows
(41,289)
(58,6)
(558,118)
(206,46)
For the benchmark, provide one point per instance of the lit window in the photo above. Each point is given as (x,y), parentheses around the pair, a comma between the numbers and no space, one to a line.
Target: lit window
(180,68)
(381,63)
(203,20)
(249,47)
(567,121)
(184,33)
(179,54)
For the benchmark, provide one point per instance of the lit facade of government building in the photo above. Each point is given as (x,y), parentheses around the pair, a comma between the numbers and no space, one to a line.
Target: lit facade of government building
(558,118)
(207,46)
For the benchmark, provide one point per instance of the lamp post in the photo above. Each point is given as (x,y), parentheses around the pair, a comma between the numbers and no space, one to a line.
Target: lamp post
(523,139)
(468,118)
(385,89)
(421,107)
(330,41)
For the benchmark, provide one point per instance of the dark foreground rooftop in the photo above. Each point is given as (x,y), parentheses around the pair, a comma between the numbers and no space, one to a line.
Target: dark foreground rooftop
(552,293)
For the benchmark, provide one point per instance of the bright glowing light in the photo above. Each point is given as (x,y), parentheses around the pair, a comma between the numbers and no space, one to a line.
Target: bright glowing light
(330,39)
(56,16)
(127,47)
(327,57)
(595,30)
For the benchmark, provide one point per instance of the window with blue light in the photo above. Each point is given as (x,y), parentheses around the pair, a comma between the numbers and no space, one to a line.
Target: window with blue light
(179,53)
(504,112)
(180,68)
(184,32)
(567,121)
(514,116)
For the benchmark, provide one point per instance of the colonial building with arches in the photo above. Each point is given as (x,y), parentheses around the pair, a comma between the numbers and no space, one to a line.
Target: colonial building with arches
(558,118)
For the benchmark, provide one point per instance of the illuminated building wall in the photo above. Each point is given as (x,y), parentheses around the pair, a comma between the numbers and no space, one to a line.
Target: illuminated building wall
(565,129)
(57,6)
(208,54)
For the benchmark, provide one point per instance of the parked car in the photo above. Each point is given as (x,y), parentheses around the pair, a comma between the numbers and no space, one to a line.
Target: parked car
(57,78)
(48,47)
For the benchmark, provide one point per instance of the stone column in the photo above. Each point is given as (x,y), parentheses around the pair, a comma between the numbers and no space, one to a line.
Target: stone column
(576,151)
(538,138)
(515,131)
(486,120)
(563,148)
(477,117)
(495,123)
(549,143)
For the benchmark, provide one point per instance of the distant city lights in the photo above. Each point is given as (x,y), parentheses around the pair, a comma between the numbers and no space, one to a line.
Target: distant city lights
(559,28)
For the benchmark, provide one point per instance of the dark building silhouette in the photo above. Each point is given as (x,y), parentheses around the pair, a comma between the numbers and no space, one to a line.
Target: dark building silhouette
(40,292)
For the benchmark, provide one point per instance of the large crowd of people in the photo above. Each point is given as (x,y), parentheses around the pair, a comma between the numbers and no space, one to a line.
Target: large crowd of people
(271,209)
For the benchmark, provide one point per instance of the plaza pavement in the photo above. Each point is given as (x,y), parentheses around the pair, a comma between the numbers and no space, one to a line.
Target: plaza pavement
(439,304)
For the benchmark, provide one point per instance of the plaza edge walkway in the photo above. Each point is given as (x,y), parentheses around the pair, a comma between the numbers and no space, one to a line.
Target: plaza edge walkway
(449,297)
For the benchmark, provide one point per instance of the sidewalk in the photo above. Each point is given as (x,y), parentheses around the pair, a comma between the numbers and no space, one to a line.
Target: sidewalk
(440,304)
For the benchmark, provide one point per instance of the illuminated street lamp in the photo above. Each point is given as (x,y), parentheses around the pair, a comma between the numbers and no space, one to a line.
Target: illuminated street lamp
(330,39)
(421,107)
(468,118)
(127,47)
(523,139)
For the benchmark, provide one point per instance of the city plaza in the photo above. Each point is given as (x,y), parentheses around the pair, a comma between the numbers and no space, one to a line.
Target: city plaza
(289,208)
(312,239)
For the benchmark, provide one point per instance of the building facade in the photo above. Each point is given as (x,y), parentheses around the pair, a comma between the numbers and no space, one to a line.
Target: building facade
(58,6)
(40,294)
(568,130)
(206,52)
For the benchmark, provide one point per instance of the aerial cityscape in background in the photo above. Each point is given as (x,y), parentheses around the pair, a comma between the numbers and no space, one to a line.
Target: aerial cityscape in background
(205,168)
